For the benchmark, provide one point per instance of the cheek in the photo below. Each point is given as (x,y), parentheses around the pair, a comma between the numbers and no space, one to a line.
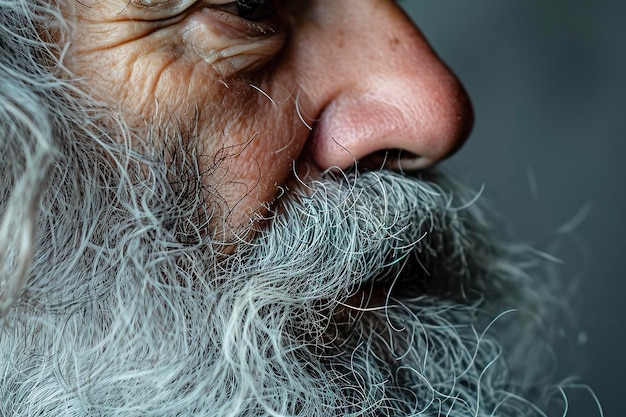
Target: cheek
(253,145)
(246,126)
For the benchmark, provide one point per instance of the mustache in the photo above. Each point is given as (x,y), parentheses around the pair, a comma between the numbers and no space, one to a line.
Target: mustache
(361,227)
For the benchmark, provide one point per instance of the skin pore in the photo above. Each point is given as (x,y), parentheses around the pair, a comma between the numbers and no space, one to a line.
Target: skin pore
(265,86)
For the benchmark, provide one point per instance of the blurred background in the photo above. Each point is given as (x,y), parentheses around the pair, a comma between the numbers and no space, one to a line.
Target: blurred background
(548,83)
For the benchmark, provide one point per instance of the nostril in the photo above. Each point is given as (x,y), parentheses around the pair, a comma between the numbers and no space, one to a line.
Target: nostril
(394,159)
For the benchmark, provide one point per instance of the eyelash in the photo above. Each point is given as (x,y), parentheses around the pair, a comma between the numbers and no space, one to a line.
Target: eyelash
(252,10)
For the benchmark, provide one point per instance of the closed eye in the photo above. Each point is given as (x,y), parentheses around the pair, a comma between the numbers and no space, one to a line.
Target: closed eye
(253,10)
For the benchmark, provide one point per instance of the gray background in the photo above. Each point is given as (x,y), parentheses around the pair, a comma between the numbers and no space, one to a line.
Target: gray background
(548,83)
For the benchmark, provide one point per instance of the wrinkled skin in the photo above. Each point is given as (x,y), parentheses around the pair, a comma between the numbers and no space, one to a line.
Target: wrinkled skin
(324,83)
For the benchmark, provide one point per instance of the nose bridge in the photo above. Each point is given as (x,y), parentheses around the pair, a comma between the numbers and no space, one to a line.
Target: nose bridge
(363,38)
(378,85)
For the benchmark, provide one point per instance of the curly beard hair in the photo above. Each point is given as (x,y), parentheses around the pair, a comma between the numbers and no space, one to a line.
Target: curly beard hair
(362,294)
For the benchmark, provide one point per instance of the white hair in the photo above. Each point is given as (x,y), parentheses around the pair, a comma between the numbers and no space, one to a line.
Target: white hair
(363,295)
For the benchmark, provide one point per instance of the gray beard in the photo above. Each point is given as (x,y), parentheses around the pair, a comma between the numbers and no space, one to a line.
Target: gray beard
(371,294)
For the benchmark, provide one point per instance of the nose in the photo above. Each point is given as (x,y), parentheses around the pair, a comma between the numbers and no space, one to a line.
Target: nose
(380,94)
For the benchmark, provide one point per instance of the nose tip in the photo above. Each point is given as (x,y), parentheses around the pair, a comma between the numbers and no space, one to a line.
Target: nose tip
(398,128)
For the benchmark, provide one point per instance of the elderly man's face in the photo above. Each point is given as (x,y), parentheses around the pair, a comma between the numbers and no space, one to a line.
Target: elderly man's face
(264,84)
(134,278)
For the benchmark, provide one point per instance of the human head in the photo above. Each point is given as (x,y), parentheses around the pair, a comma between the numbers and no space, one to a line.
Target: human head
(207,219)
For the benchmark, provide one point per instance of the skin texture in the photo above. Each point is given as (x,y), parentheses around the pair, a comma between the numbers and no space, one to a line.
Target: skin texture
(314,84)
